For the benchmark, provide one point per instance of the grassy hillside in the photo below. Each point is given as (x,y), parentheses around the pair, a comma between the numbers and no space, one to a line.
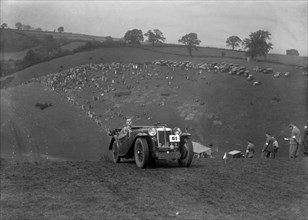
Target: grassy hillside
(35,47)
(144,54)
(59,131)
(13,40)
(209,189)
(71,36)
(215,107)
(204,52)
(103,55)
(84,94)
(19,55)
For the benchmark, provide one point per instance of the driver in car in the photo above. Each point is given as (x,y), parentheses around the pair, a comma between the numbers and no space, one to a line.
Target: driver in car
(126,129)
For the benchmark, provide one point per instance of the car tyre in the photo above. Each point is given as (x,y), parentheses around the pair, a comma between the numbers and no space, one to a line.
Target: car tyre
(187,153)
(115,152)
(142,152)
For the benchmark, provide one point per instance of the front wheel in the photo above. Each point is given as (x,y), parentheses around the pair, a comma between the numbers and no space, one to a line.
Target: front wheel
(115,152)
(141,152)
(187,153)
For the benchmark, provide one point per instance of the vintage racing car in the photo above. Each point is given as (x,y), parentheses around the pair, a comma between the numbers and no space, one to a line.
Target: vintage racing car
(147,144)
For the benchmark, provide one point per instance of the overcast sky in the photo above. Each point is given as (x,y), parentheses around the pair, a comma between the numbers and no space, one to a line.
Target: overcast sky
(213,21)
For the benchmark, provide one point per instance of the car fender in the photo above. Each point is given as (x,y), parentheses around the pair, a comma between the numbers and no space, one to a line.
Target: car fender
(183,136)
(144,135)
(141,134)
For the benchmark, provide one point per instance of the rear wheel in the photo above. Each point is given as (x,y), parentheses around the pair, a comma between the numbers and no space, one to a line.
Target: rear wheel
(115,152)
(187,153)
(141,152)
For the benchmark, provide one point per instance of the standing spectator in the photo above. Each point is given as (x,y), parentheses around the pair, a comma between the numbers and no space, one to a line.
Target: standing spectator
(275,147)
(268,146)
(305,141)
(294,141)
(250,149)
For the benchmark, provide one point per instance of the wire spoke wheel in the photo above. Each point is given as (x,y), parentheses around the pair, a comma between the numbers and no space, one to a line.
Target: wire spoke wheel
(141,152)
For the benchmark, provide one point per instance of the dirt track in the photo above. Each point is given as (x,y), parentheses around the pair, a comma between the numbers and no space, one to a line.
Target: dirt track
(209,189)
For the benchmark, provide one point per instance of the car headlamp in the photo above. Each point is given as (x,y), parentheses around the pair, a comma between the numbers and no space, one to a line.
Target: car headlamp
(152,131)
(177,131)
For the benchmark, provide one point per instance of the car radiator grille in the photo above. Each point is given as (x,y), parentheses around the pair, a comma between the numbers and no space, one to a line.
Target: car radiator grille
(163,137)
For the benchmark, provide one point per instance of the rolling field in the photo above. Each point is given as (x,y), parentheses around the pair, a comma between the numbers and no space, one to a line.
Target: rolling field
(226,109)
(55,161)
(13,40)
(207,52)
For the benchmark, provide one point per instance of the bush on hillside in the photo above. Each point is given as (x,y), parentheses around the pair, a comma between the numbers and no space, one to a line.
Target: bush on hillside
(292,52)
(50,49)
(90,45)
(8,67)
(32,57)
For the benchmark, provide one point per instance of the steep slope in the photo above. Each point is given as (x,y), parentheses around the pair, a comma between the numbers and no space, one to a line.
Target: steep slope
(103,55)
(55,132)
(215,106)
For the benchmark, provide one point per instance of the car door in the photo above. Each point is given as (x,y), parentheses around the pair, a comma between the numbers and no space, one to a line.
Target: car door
(125,144)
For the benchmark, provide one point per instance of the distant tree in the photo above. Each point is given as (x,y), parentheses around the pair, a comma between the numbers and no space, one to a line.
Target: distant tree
(292,52)
(38,29)
(61,29)
(133,37)
(26,27)
(233,42)
(155,36)
(18,25)
(257,44)
(31,58)
(3,25)
(191,41)
(109,39)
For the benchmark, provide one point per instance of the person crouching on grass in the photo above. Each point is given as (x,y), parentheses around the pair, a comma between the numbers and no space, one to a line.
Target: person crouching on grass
(250,149)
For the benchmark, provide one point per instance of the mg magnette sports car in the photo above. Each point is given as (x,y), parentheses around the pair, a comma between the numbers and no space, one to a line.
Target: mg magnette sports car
(146,144)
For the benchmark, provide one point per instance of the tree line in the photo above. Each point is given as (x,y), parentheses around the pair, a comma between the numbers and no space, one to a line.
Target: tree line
(27,27)
(256,45)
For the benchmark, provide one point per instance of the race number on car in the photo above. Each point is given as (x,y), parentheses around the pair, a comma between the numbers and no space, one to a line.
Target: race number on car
(174,138)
